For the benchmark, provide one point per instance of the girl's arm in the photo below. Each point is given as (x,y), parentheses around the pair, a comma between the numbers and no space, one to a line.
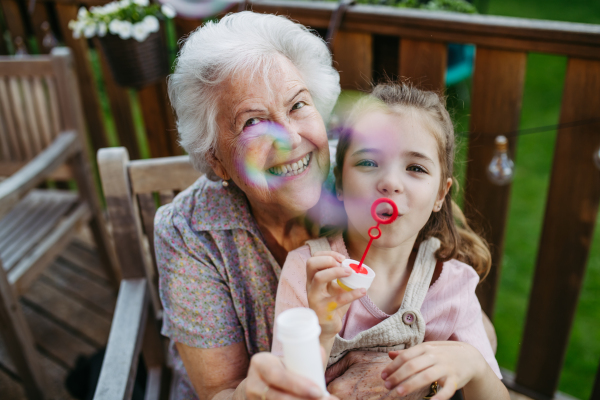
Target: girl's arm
(454,365)
(329,301)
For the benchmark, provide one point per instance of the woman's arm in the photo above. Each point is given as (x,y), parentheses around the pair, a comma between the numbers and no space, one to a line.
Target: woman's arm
(220,374)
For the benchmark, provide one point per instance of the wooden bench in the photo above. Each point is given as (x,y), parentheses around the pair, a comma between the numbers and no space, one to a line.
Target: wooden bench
(42,138)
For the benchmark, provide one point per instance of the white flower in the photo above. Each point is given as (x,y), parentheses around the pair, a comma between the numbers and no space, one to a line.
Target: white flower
(89,30)
(140,32)
(125,3)
(102,29)
(82,13)
(115,26)
(168,11)
(142,3)
(125,30)
(151,23)
(77,27)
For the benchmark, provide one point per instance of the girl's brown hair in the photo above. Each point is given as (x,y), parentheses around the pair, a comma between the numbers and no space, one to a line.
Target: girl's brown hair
(449,224)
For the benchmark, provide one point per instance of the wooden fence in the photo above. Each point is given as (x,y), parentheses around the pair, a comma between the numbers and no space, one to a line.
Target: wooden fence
(375,40)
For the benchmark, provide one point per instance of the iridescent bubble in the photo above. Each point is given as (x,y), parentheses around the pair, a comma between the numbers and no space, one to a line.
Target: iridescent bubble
(257,146)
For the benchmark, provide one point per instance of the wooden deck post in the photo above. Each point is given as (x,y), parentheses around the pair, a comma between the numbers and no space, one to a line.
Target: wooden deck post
(569,224)
(496,109)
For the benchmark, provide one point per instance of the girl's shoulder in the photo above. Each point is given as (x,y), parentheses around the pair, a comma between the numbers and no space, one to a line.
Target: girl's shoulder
(455,274)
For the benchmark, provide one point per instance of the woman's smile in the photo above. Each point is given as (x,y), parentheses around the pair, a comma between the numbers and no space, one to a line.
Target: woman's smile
(292,168)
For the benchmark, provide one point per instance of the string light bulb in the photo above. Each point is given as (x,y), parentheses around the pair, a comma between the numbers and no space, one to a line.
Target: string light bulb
(49,41)
(597,157)
(501,169)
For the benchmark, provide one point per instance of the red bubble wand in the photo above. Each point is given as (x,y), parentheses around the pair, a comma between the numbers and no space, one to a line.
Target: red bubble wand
(358,268)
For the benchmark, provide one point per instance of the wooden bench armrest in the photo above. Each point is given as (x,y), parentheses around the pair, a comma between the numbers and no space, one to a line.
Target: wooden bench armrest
(120,363)
(17,185)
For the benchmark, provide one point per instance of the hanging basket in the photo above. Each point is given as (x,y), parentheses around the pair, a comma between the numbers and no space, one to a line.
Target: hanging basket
(136,64)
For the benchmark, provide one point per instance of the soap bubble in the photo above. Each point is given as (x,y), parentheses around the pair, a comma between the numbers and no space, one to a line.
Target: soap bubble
(256,145)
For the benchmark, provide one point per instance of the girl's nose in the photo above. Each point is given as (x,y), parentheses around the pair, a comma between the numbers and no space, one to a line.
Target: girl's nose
(390,184)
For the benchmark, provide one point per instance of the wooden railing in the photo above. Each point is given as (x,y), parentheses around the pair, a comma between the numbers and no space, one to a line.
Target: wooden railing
(374,40)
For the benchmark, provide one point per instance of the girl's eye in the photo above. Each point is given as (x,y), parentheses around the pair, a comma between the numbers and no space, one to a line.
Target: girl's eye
(251,121)
(416,168)
(298,105)
(366,163)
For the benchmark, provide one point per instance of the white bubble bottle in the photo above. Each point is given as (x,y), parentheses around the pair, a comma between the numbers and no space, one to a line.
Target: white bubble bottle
(298,330)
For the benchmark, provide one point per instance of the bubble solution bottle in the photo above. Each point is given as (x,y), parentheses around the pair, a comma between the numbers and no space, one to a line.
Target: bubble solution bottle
(298,330)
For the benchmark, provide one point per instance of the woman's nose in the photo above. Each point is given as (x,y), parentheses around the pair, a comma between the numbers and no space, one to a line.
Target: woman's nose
(390,184)
(291,139)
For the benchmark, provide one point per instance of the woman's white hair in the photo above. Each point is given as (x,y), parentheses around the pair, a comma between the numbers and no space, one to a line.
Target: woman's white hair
(242,43)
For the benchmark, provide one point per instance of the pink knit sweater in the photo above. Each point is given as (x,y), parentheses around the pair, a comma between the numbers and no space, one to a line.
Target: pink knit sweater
(450,309)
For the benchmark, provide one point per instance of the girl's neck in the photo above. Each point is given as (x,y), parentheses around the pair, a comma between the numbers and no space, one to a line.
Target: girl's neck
(392,267)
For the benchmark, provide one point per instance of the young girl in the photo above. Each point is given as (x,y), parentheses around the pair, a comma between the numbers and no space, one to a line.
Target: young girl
(400,146)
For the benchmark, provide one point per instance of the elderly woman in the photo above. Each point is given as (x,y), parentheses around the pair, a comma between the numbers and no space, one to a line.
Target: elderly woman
(251,93)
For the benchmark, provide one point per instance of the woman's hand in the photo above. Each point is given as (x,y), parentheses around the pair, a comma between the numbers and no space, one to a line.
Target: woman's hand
(269,380)
(453,365)
(326,297)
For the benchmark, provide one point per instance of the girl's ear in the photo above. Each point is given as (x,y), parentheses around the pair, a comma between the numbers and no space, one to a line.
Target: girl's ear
(437,206)
(216,164)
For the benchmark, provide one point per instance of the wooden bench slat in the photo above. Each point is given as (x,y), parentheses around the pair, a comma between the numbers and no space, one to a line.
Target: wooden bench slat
(31,265)
(424,62)
(149,176)
(353,58)
(41,112)
(53,206)
(569,222)
(17,101)
(35,138)
(11,124)
(53,101)
(124,343)
(496,108)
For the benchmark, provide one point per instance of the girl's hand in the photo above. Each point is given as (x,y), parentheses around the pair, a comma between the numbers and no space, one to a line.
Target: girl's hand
(452,364)
(326,297)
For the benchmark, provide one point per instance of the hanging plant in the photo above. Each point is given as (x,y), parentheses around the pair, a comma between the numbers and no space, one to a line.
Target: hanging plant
(129,32)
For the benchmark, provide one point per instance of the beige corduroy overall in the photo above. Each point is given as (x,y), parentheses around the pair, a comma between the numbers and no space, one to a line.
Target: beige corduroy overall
(404,329)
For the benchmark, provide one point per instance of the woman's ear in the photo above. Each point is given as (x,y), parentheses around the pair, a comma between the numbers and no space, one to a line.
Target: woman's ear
(216,164)
(437,206)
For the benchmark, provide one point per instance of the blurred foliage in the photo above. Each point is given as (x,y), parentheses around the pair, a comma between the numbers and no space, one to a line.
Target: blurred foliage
(462,6)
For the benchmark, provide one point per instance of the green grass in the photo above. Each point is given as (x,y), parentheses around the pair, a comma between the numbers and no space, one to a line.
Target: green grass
(533,159)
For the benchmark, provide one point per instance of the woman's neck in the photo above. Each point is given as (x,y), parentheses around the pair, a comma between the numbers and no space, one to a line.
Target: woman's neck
(282,229)
(392,267)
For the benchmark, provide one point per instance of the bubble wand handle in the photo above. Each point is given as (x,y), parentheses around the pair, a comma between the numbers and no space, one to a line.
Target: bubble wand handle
(369,245)
(379,220)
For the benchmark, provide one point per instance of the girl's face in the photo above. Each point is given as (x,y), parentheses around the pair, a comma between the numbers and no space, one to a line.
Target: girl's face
(393,156)
(272,141)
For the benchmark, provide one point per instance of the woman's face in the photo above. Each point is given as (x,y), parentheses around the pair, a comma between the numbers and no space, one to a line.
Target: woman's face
(272,141)
(395,157)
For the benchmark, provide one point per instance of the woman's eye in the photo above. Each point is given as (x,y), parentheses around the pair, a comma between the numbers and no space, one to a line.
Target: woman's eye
(416,168)
(298,105)
(366,163)
(251,121)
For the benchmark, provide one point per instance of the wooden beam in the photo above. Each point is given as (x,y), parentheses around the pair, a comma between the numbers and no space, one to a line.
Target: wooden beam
(159,121)
(496,108)
(424,63)
(569,223)
(88,92)
(353,58)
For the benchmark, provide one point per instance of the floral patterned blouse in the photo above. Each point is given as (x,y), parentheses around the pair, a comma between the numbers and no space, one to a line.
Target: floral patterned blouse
(217,279)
